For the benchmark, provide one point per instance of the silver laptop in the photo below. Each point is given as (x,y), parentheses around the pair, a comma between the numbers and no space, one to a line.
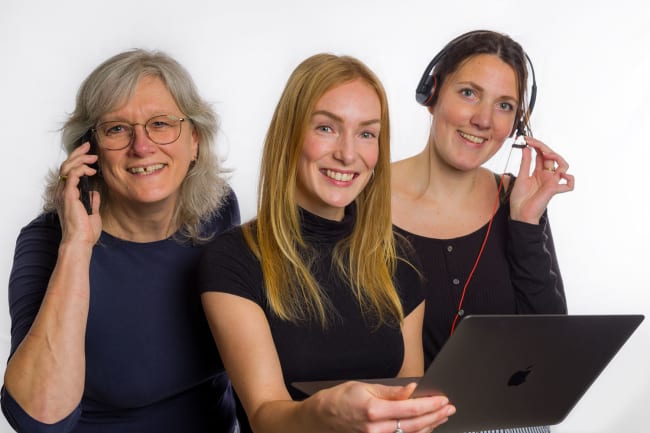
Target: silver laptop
(506,371)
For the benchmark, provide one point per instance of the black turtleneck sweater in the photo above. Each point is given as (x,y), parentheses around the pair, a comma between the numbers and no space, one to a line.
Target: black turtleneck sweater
(350,347)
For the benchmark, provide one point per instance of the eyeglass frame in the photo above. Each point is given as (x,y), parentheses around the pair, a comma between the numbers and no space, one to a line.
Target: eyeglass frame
(146,131)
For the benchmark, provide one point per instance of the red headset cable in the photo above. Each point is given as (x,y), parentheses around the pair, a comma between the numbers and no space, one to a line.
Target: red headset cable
(459,310)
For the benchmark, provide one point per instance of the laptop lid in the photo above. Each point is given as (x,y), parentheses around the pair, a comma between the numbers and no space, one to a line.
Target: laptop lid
(503,371)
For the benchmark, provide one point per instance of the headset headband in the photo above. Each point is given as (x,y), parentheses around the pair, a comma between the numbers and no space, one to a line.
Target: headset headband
(426,87)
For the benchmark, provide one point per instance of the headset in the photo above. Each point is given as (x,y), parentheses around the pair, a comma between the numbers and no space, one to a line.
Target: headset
(427,86)
(424,94)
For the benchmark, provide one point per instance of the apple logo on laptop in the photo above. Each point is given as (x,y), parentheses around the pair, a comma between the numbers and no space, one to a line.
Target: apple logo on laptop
(520,376)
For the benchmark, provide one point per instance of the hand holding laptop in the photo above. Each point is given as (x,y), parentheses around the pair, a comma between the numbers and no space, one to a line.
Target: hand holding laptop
(386,408)
(506,371)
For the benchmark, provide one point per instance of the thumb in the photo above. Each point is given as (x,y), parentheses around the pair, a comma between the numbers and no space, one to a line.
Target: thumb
(95,201)
(394,392)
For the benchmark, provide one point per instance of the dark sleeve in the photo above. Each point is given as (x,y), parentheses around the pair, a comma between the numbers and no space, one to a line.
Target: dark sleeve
(35,255)
(408,279)
(535,271)
(230,212)
(34,259)
(23,423)
(225,218)
(227,265)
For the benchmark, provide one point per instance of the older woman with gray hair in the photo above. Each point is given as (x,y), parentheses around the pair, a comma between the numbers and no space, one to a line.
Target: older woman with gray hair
(108,332)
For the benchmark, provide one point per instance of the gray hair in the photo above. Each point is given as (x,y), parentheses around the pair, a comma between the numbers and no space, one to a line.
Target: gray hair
(114,82)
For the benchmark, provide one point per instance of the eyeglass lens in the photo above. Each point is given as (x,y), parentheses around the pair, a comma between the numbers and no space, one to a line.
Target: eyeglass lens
(162,129)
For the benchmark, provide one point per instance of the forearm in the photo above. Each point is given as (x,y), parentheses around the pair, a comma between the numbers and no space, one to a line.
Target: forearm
(46,373)
(535,274)
(286,416)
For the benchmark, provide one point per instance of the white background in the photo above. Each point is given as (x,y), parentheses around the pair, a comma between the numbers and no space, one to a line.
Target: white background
(593,72)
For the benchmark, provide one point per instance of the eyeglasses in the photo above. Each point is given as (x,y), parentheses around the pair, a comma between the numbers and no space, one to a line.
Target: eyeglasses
(117,135)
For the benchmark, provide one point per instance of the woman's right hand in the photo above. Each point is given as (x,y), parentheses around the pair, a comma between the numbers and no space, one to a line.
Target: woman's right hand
(76,224)
(46,374)
(253,365)
(363,407)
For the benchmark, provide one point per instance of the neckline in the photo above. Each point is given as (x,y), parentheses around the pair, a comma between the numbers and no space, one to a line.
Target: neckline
(476,232)
(314,227)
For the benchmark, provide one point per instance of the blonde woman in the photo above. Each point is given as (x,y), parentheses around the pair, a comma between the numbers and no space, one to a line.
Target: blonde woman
(316,287)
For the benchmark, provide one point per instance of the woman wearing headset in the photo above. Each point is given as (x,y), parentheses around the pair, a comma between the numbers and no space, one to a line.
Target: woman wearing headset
(483,239)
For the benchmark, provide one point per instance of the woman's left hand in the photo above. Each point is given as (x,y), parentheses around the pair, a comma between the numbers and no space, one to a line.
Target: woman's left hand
(533,190)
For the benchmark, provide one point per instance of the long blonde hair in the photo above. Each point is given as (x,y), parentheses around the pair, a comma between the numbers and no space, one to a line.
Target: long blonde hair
(367,258)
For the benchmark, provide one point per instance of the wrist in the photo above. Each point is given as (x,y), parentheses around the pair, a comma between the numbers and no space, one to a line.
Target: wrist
(517,215)
(75,249)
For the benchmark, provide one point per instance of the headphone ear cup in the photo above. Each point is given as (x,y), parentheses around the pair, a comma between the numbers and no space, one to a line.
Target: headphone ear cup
(432,92)
(427,89)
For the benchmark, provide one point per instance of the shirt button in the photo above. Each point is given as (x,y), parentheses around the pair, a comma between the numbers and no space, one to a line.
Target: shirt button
(455,281)
(450,248)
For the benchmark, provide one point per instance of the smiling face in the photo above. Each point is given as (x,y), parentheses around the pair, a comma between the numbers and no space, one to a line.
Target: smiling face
(474,113)
(145,173)
(340,149)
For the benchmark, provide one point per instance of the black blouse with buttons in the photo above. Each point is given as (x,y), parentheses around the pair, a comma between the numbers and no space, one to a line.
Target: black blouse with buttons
(518,273)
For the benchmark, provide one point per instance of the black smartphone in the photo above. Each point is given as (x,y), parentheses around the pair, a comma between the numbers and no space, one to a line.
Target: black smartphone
(84,182)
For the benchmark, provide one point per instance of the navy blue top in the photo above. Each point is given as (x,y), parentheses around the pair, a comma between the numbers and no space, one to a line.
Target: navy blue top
(151,362)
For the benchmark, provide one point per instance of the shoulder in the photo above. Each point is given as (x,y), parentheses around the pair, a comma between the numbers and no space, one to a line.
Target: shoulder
(227,242)
(230,207)
(403,246)
(45,227)
(408,279)
(229,211)
(225,217)
(229,251)
(400,175)
(228,265)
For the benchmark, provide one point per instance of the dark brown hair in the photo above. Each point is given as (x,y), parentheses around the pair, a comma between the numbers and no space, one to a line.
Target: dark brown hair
(474,43)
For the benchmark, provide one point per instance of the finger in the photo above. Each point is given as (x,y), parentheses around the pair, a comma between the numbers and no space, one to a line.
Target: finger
(76,153)
(549,159)
(537,144)
(81,149)
(69,184)
(73,174)
(570,182)
(409,408)
(524,166)
(544,161)
(562,164)
(544,155)
(77,157)
(82,161)
(429,420)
